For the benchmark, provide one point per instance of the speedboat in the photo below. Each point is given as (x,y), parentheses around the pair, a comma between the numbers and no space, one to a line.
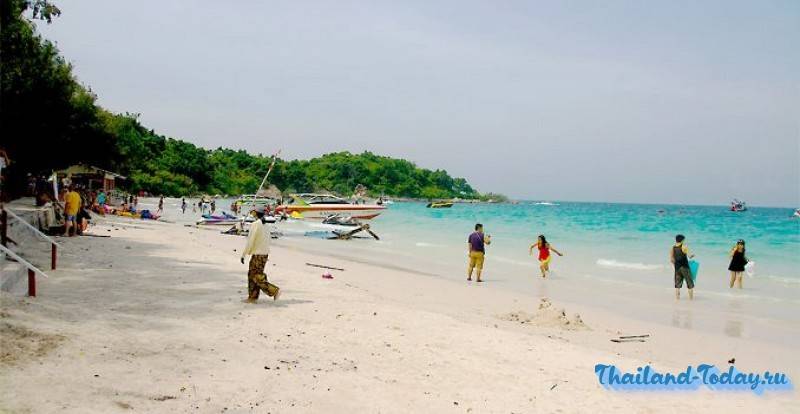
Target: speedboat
(440,204)
(737,205)
(227,219)
(341,220)
(224,219)
(321,206)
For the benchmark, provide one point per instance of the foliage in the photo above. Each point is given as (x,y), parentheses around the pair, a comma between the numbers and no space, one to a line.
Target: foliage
(50,121)
(499,198)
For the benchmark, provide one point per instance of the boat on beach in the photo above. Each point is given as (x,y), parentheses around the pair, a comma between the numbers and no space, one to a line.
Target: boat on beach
(223,219)
(228,220)
(341,220)
(321,206)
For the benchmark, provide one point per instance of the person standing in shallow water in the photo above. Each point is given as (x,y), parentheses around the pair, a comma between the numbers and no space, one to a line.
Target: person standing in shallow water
(258,240)
(544,254)
(476,250)
(679,256)
(738,262)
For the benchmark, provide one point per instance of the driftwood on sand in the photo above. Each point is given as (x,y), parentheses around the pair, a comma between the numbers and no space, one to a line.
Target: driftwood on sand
(324,267)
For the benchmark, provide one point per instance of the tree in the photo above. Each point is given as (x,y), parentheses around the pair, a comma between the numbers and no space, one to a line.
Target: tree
(50,121)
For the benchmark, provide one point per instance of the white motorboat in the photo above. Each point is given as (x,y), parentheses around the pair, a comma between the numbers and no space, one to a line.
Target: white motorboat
(738,205)
(321,206)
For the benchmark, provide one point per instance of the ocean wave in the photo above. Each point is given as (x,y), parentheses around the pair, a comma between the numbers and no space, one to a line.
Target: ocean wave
(626,265)
(511,261)
(423,244)
(779,279)
(544,203)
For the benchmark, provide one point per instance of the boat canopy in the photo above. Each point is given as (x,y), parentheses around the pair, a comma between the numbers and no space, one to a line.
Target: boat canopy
(311,199)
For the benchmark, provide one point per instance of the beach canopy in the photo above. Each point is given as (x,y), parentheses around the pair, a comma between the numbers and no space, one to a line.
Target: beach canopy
(82,169)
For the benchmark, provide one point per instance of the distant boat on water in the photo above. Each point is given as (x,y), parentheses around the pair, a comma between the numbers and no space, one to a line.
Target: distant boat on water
(440,204)
(738,205)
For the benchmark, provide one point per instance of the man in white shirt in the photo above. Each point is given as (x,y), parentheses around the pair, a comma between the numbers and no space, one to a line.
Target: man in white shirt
(257,247)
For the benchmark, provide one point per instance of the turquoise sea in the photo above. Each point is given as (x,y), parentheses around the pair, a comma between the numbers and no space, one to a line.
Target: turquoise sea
(615,257)
(603,238)
(624,237)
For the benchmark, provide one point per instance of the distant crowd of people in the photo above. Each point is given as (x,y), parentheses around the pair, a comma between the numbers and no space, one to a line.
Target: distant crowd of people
(76,203)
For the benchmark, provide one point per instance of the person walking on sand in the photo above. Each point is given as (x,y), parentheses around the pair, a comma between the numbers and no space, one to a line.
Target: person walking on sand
(258,240)
(213,206)
(738,262)
(476,250)
(160,206)
(183,205)
(544,254)
(679,256)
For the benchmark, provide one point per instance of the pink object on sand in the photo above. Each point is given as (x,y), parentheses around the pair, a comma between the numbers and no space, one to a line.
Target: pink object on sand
(327,275)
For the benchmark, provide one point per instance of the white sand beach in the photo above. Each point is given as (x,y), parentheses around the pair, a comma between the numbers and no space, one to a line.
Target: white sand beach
(151,319)
(624,176)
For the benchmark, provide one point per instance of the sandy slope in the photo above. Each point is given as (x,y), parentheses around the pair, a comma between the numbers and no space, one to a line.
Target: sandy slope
(151,320)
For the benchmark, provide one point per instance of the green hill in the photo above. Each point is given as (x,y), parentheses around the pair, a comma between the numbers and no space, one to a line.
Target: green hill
(51,121)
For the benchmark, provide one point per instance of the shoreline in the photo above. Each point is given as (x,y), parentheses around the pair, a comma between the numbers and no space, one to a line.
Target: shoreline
(159,320)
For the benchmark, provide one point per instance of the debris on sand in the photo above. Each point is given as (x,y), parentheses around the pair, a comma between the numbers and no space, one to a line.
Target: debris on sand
(547,316)
(18,343)
(631,338)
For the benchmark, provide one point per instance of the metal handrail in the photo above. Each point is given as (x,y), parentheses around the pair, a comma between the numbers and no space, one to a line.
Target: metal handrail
(53,244)
(32,270)
(27,264)
(30,226)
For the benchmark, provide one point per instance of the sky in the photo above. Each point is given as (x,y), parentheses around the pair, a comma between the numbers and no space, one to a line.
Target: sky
(686,102)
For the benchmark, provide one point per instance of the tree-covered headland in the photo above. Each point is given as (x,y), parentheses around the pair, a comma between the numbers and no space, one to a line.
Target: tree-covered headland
(49,121)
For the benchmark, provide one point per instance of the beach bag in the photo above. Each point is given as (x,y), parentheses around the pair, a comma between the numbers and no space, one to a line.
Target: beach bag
(694,267)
